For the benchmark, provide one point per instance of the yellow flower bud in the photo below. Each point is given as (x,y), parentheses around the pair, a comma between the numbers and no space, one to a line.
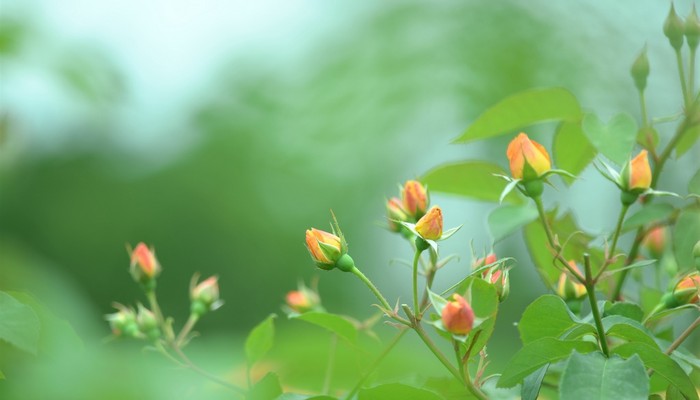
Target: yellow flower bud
(639,172)
(687,289)
(528,159)
(414,198)
(458,316)
(325,248)
(430,225)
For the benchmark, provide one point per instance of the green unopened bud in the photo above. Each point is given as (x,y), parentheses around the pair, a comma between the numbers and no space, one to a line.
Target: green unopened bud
(204,295)
(692,29)
(421,245)
(145,319)
(640,70)
(123,323)
(674,28)
(345,263)
(628,198)
(534,188)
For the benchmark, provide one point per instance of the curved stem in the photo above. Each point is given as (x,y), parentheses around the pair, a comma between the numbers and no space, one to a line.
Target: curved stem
(590,289)
(630,258)
(375,364)
(416,310)
(329,367)
(681,74)
(380,297)
(683,336)
(616,236)
(438,354)
(191,321)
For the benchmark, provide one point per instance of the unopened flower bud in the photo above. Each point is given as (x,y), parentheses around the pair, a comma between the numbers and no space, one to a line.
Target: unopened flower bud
(499,279)
(635,177)
(655,241)
(302,300)
(204,295)
(567,288)
(144,266)
(640,70)
(414,197)
(147,322)
(325,248)
(528,159)
(480,262)
(395,214)
(430,225)
(674,28)
(457,315)
(123,322)
(692,29)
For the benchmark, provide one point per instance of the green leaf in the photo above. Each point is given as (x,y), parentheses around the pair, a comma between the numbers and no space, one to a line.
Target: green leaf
(332,322)
(532,384)
(19,324)
(473,179)
(694,184)
(260,340)
(648,214)
(2,376)
(687,141)
(523,109)
(592,376)
(614,140)
(625,309)
(538,353)
(547,316)
(572,149)
(437,301)
(661,364)
(296,396)
(397,391)
(484,302)
(268,388)
(505,220)
(627,329)
(685,234)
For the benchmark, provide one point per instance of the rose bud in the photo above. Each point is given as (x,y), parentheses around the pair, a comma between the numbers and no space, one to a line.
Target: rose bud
(458,316)
(302,300)
(147,322)
(123,322)
(674,28)
(429,227)
(655,241)
(395,214)
(325,248)
(528,159)
(480,262)
(204,295)
(636,174)
(414,198)
(499,279)
(567,288)
(687,289)
(144,266)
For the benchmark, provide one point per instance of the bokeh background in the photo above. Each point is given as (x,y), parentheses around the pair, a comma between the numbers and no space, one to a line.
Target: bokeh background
(218,131)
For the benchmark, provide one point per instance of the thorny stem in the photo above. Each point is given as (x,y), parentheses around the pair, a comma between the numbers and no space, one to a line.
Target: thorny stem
(329,367)
(375,364)
(380,297)
(590,289)
(616,236)
(553,243)
(630,258)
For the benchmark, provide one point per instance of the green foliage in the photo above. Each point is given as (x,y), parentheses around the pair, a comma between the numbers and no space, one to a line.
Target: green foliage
(686,233)
(572,149)
(268,388)
(594,377)
(523,109)
(546,317)
(260,340)
(19,324)
(331,322)
(530,389)
(614,140)
(505,220)
(650,213)
(397,391)
(473,179)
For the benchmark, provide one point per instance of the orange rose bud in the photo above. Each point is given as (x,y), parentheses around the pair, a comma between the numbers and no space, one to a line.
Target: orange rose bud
(414,198)
(430,225)
(639,172)
(144,265)
(458,316)
(205,295)
(395,213)
(480,262)
(528,159)
(687,290)
(567,288)
(655,241)
(302,300)
(325,248)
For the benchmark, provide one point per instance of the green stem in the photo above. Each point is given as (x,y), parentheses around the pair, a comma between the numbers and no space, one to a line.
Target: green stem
(553,243)
(380,297)
(375,364)
(643,107)
(681,74)
(590,289)
(416,257)
(691,72)
(165,327)
(616,236)
(460,364)
(329,367)
(683,336)
(438,354)
(191,321)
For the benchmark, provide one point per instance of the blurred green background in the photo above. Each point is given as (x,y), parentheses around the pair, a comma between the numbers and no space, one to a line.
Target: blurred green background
(219,131)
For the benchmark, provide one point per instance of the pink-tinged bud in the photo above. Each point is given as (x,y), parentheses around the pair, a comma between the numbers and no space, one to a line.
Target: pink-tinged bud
(325,248)
(528,159)
(457,315)
(395,213)
(144,264)
(494,275)
(480,262)
(302,301)
(687,289)
(655,241)
(430,225)
(638,173)
(567,288)
(414,198)
(123,322)
(204,295)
